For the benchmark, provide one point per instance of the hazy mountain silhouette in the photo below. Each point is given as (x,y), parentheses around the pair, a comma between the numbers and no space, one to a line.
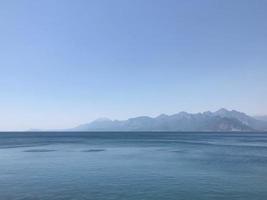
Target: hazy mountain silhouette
(221,120)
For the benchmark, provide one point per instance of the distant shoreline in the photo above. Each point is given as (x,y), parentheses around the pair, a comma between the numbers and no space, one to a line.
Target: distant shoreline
(133,132)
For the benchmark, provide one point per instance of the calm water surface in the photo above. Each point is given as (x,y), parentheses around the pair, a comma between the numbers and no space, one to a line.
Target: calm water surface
(133,166)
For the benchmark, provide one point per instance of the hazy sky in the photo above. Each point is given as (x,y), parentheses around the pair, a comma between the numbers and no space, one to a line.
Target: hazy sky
(63,63)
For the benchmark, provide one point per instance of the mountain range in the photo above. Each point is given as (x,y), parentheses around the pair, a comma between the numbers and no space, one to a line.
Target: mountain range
(221,120)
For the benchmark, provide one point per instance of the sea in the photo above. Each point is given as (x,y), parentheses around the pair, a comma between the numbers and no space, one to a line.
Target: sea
(133,166)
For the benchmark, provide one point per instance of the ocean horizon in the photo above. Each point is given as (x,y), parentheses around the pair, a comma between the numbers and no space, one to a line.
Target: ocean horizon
(133,100)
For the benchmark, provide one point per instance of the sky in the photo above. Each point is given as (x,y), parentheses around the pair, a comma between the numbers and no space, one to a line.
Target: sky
(66,62)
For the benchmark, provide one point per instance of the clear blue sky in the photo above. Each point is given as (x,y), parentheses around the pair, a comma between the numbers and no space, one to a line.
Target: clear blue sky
(63,62)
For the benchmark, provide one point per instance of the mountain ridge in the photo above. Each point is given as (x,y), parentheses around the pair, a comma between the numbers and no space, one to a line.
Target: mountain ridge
(220,120)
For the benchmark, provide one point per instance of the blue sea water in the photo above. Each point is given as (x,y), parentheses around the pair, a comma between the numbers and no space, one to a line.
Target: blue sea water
(133,166)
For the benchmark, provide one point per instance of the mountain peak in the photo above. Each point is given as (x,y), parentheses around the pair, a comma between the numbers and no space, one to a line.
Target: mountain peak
(184,114)
(162,116)
(222,110)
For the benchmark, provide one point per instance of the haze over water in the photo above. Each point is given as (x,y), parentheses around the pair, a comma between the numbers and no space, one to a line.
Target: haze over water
(133,166)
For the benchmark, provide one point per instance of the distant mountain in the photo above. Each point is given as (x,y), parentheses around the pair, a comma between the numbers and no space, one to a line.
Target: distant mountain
(242,117)
(221,120)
